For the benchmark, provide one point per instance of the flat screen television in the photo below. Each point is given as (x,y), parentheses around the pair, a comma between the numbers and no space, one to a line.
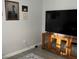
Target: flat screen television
(62,21)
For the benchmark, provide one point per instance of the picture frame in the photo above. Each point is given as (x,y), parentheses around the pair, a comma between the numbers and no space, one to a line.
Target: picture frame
(24,8)
(12,10)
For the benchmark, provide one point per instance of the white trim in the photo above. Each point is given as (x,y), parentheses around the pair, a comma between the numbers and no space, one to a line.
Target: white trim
(19,51)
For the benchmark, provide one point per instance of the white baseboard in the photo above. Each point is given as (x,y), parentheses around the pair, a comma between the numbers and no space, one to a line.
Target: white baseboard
(19,51)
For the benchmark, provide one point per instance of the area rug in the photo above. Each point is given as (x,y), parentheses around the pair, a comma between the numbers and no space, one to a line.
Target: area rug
(32,56)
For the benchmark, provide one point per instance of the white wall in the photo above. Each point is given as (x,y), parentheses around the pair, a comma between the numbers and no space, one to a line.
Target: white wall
(22,33)
(56,5)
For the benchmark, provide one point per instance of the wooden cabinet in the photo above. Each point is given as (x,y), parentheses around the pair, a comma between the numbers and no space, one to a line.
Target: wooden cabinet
(59,44)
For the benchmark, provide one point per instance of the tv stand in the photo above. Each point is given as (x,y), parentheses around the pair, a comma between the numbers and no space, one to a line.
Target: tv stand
(65,50)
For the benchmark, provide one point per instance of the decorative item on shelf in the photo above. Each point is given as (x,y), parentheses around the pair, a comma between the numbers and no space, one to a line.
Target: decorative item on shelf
(12,10)
(54,43)
(63,47)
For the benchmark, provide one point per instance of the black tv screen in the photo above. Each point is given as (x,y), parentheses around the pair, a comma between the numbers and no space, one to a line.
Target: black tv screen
(62,21)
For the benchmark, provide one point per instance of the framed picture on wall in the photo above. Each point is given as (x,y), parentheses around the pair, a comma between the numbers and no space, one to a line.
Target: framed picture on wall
(24,8)
(12,10)
(25,12)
